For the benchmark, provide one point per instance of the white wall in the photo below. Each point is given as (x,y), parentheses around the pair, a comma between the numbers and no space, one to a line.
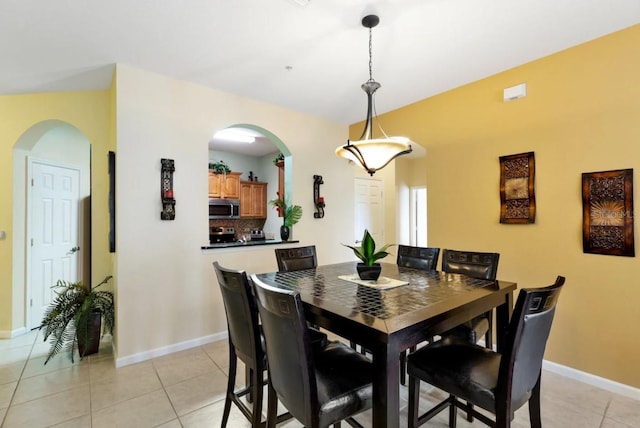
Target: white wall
(167,293)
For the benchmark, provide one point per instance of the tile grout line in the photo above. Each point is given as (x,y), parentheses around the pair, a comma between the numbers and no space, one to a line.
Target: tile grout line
(90,394)
(164,389)
(15,390)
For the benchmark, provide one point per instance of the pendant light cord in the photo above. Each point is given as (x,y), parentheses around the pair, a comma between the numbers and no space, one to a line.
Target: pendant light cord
(370,56)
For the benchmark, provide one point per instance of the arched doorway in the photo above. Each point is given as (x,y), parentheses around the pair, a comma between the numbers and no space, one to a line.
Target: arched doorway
(51,211)
(264,166)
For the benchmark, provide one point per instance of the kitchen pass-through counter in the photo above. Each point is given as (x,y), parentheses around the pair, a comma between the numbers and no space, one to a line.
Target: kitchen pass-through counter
(240,244)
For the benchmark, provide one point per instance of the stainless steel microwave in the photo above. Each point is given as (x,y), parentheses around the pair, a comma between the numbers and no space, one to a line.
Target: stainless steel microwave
(224,209)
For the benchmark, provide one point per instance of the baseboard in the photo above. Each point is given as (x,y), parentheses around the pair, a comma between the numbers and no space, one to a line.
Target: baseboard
(597,381)
(5,334)
(165,350)
(588,378)
(568,372)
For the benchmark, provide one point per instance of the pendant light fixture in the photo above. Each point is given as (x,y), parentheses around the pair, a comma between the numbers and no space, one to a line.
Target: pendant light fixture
(371,153)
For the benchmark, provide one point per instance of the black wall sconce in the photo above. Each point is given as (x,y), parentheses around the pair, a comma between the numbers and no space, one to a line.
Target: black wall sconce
(317,199)
(166,190)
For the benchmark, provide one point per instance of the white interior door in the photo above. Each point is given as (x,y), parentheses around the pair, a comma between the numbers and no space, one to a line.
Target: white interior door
(54,193)
(369,209)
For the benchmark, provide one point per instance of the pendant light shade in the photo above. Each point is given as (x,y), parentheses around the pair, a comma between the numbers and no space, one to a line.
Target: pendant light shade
(371,153)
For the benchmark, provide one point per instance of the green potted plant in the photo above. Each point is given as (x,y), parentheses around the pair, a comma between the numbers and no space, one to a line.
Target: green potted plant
(279,158)
(75,316)
(219,167)
(291,214)
(367,253)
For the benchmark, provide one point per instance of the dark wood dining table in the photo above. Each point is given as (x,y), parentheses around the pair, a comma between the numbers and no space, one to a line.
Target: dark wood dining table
(388,321)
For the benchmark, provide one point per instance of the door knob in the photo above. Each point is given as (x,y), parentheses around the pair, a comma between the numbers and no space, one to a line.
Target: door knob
(73,250)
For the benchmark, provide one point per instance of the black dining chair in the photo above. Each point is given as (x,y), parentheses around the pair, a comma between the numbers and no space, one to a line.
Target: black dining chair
(423,258)
(320,386)
(498,383)
(246,343)
(299,258)
(477,265)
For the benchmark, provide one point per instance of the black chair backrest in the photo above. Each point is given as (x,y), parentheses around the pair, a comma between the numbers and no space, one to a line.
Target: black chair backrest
(425,258)
(477,265)
(291,367)
(528,332)
(299,258)
(242,313)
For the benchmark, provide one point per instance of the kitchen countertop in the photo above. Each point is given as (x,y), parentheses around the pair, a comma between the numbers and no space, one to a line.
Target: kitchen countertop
(240,244)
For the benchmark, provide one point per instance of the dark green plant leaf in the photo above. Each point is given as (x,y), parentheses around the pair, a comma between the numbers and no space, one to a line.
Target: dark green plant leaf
(292,215)
(366,252)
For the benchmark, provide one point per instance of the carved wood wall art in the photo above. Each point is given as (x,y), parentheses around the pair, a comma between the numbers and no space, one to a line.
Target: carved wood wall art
(517,192)
(607,212)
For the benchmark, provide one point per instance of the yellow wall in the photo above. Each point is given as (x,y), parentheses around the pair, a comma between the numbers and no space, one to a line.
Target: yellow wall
(581,114)
(87,111)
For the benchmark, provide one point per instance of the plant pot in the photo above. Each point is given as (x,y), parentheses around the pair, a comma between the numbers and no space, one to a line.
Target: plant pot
(369,273)
(284,232)
(93,341)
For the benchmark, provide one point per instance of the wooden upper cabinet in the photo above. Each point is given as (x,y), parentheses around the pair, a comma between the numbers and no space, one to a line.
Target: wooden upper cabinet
(231,186)
(253,199)
(280,166)
(224,185)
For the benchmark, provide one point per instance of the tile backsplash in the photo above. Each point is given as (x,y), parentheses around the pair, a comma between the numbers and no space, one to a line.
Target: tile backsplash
(242,226)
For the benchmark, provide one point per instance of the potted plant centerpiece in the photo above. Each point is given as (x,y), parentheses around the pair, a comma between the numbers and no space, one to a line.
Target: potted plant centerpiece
(75,316)
(369,269)
(291,214)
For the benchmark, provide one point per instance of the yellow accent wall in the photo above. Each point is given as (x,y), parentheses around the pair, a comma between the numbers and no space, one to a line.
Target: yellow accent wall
(581,114)
(87,111)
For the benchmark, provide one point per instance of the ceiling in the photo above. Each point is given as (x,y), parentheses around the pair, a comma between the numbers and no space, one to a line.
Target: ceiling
(308,57)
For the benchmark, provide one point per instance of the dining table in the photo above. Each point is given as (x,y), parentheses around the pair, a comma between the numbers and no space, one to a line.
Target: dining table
(403,308)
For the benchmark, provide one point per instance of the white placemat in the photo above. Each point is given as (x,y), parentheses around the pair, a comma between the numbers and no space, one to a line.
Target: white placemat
(383,283)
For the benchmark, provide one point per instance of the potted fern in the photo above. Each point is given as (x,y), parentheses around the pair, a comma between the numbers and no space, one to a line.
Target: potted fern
(367,253)
(75,317)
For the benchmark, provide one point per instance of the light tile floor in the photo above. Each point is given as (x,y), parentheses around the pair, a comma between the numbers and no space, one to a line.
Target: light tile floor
(186,389)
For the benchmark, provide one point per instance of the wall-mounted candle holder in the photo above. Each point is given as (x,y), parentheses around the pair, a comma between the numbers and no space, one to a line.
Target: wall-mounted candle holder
(317,199)
(167,169)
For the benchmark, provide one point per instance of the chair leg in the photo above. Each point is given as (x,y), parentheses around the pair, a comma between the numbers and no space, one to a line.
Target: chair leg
(403,365)
(272,407)
(503,414)
(414,397)
(453,413)
(256,391)
(469,414)
(248,376)
(488,343)
(488,337)
(403,368)
(534,406)
(233,366)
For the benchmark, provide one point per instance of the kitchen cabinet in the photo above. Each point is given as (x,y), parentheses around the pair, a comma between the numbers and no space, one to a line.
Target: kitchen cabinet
(224,185)
(253,199)
(280,166)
